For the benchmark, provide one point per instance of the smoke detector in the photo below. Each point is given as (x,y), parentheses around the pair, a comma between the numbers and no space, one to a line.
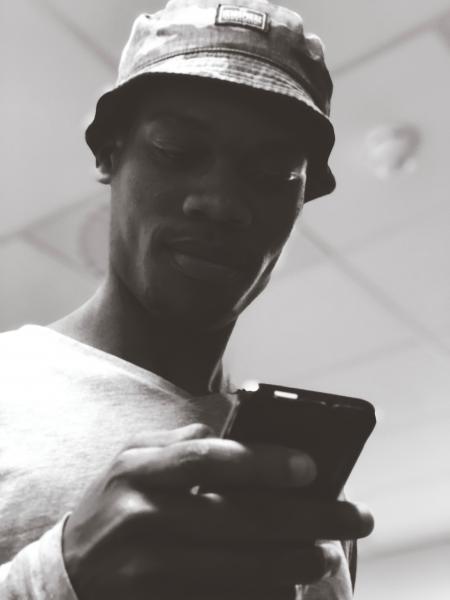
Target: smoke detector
(392,149)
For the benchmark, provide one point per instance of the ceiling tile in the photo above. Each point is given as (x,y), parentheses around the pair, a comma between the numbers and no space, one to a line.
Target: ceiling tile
(78,235)
(106,22)
(49,83)
(414,574)
(298,254)
(412,267)
(349,29)
(39,288)
(403,475)
(407,513)
(355,28)
(386,92)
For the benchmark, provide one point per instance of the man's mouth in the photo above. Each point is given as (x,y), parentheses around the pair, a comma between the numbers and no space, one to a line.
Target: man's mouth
(199,268)
(207,262)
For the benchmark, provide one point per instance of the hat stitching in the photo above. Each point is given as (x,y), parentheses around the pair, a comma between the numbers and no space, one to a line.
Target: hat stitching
(215,50)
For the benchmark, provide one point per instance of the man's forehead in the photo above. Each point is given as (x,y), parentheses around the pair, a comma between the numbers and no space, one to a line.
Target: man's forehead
(193,112)
(200,128)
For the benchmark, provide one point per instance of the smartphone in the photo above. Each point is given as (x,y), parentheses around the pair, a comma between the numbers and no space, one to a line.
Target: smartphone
(331,429)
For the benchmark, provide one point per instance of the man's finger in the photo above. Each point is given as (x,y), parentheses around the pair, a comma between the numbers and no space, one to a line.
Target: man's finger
(226,566)
(207,519)
(287,515)
(171,436)
(213,462)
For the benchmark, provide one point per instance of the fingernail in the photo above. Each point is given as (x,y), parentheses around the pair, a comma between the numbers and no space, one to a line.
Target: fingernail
(302,468)
(367,520)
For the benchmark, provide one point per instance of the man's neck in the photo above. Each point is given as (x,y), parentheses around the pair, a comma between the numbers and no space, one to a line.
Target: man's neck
(113,321)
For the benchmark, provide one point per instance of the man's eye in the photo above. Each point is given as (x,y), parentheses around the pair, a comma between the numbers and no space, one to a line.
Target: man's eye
(172,153)
(284,175)
(277,176)
(180,158)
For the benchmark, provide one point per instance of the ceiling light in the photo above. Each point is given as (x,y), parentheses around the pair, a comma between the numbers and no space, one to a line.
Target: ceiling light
(392,149)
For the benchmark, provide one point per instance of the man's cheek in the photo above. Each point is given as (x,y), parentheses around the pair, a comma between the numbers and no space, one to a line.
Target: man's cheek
(277,220)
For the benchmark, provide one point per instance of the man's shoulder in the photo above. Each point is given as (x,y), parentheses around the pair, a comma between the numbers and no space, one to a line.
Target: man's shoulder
(20,337)
(25,345)
(13,344)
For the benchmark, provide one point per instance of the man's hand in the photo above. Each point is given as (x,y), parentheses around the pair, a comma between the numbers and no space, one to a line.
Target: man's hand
(141,533)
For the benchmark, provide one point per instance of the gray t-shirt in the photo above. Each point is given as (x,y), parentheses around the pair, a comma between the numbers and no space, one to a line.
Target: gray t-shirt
(66,409)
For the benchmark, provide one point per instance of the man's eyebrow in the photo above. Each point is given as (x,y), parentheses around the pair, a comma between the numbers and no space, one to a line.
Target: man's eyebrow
(288,146)
(282,145)
(178,119)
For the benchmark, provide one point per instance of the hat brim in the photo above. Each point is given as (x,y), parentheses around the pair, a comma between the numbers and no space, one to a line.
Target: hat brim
(236,69)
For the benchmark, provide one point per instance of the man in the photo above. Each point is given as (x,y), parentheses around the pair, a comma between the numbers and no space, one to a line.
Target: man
(215,135)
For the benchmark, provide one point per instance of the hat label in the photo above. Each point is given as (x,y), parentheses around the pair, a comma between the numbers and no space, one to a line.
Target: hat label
(229,14)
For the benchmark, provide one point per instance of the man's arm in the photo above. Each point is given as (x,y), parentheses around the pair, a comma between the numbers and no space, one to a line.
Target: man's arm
(38,572)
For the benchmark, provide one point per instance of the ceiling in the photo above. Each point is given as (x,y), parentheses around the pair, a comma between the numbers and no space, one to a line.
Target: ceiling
(360,303)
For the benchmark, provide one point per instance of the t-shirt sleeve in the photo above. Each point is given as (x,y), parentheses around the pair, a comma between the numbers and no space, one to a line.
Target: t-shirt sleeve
(38,572)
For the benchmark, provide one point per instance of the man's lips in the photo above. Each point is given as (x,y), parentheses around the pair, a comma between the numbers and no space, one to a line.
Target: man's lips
(218,254)
(198,268)
(210,262)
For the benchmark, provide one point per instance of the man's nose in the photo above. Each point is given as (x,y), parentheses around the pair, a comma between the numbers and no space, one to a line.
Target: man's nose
(219,196)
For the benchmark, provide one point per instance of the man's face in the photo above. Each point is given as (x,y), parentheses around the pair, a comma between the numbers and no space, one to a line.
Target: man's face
(205,190)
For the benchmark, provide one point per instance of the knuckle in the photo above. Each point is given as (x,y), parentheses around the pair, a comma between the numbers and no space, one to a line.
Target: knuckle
(121,466)
(131,509)
(137,570)
(200,430)
(194,455)
(237,452)
(128,571)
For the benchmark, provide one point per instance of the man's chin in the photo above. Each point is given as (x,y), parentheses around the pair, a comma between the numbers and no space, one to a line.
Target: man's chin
(197,317)
(210,302)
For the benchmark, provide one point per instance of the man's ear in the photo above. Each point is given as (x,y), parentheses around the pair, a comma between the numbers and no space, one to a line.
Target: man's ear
(106,160)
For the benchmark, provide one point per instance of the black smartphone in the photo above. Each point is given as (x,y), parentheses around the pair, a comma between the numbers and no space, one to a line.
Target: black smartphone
(331,429)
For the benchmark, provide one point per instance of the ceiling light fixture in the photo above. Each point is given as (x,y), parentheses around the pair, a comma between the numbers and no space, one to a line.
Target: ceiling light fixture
(392,149)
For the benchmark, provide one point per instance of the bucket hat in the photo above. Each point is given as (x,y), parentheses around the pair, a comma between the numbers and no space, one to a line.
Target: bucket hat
(247,42)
